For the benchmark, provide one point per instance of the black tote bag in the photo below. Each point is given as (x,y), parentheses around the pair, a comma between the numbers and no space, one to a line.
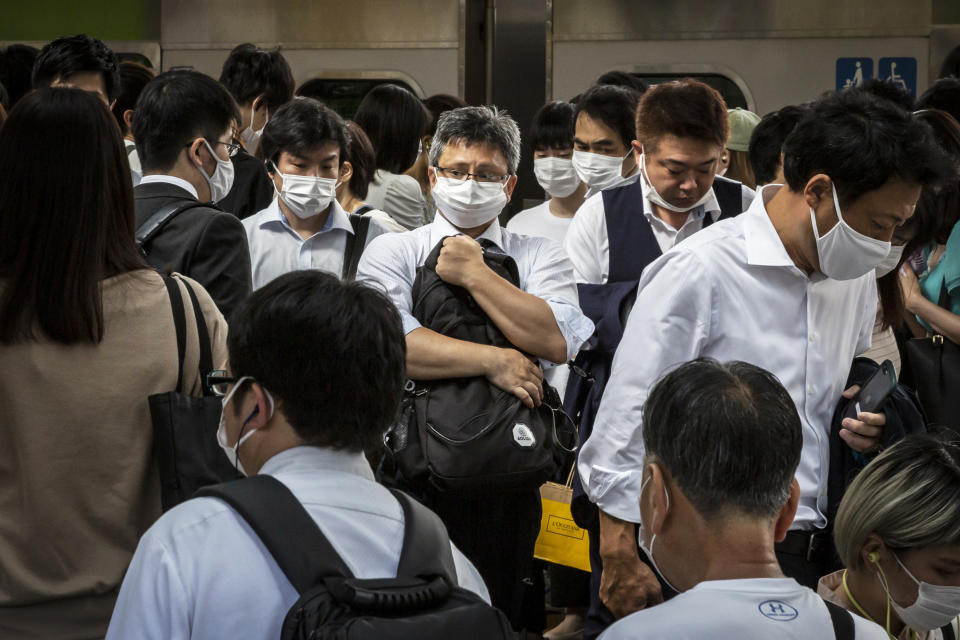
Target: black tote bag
(935,369)
(185,427)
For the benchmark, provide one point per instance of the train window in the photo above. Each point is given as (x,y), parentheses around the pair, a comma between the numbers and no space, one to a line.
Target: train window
(139,58)
(732,94)
(344,95)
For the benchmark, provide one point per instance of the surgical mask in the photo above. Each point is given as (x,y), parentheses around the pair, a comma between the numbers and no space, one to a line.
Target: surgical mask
(233,452)
(846,254)
(891,261)
(649,551)
(598,171)
(654,196)
(307,196)
(467,203)
(251,138)
(936,606)
(222,179)
(557,176)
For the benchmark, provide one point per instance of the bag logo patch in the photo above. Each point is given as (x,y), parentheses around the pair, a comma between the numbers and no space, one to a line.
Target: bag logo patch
(523,436)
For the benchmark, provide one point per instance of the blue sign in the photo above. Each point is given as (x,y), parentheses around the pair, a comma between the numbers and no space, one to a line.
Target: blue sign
(853,72)
(899,71)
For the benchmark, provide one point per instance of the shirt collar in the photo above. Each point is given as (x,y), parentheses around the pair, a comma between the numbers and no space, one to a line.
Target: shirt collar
(308,458)
(175,181)
(440,228)
(338,218)
(764,246)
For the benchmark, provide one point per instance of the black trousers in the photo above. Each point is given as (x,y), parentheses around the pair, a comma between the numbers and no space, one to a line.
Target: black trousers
(569,587)
(806,572)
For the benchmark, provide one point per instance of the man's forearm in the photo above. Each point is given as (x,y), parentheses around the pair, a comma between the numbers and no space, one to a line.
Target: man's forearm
(432,356)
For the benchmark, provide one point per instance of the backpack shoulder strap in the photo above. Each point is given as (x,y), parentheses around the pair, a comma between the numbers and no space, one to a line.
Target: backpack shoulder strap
(355,245)
(179,323)
(206,353)
(362,210)
(288,532)
(426,545)
(843,627)
(163,215)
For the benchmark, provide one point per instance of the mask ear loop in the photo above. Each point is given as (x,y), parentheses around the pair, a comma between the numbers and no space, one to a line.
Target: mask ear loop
(255,411)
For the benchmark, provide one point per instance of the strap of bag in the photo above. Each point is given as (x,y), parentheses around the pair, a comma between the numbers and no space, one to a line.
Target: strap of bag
(179,322)
(288,532)
(355,245)
(158,220)
(843,627)
(362,210)
(944,300)
(426,545)
(948,631)
(206,354)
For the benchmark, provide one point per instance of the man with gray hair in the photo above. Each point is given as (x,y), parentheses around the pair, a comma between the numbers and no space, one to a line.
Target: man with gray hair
(722,444)
(473,164)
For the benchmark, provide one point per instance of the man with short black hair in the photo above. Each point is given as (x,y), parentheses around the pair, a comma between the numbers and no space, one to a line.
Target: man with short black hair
(789,286)
(261,82)
(944,94)
(182,124)
(722,443)
(604,127)
(79,61)
(292,410)
(305,227)
(766,143)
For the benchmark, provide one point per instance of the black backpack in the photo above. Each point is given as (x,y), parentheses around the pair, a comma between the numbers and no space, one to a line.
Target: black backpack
(422,602)
(465,435)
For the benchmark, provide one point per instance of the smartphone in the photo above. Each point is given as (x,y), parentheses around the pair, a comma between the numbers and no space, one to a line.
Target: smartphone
(874,391)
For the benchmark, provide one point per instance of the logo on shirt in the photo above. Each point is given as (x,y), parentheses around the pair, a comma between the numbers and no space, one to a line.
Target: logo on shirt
(777,610)
(523,436)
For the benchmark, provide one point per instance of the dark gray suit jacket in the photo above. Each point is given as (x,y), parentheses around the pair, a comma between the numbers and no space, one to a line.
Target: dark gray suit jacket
(202,243)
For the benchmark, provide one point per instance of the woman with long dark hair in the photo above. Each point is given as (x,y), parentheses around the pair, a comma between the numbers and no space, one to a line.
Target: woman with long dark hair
(86,334)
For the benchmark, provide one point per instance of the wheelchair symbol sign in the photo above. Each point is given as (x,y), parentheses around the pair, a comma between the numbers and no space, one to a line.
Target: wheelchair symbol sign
(901,72)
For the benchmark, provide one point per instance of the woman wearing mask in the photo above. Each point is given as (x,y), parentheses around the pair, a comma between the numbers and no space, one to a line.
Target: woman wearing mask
(898,534)
(356,172)
(551,138)
(86,335)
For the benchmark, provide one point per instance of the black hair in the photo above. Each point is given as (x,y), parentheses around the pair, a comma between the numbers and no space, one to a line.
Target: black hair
(16,70)
(623,79)
(331,353)
(249,71)
(67,56)
(77,174)
(889,91)
(614,106)
(951,64)
(301,126)
(438,104)
(362,160)
(944,94)
(553,126)
(4,97)
(175,108)
(395,120)
(728,434)
(133,78)
(684,108)
(766,141)
(861,142)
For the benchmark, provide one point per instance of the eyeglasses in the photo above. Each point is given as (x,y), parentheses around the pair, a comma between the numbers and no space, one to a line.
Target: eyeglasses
(232,148)
(219,381)
(456,174)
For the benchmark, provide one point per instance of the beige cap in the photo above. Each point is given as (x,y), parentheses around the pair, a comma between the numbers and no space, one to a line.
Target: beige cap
(742,124)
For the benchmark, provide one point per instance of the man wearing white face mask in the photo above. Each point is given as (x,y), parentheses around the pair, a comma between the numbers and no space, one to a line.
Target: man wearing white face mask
(182,125)
(604,128)
(722,444)
(304,227)
(474,158)
(788,286)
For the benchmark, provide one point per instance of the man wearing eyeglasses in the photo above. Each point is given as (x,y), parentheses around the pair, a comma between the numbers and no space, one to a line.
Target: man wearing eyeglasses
(183,126)
(473,163)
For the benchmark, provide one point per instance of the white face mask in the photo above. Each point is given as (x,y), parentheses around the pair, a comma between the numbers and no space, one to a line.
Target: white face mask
(891,261)
(846,254)
(251,138)
(598,171)
(307,196)
(557,176)
(654,196)
(649,551)
(936,606)
(222,179)
(467,203)
(233,452)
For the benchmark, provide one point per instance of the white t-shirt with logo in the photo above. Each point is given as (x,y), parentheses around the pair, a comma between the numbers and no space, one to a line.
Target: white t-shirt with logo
(754,609)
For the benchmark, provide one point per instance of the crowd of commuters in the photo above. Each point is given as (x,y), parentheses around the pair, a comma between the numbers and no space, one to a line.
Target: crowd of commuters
(717,281)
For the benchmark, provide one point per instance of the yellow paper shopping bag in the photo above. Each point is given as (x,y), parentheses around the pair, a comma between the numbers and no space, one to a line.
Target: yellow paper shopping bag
(561,541)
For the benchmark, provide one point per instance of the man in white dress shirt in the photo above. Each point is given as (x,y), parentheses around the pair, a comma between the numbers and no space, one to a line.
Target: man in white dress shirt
(293,410)
(788,286)
(304,145)
(473,161)
(722,442)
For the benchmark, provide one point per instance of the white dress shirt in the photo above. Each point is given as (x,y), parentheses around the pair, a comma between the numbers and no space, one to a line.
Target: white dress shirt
(588,245)
(541,222)
(276,249)
(400,196)
(175,181)
(731,292)
(391,263)
(201,572)
(748,609)
(136,171)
